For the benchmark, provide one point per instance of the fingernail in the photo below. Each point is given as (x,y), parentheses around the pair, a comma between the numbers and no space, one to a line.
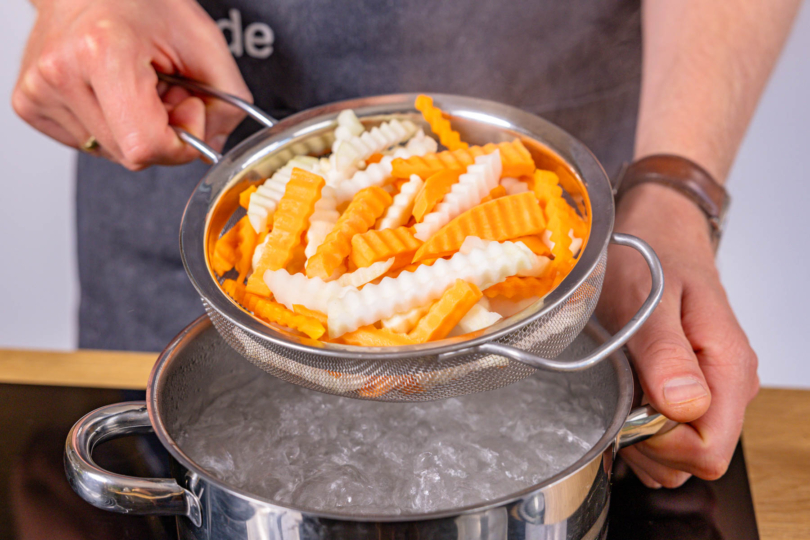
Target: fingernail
(218,141)
(683,390)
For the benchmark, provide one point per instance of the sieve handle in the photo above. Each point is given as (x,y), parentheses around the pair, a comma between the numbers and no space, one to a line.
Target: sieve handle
(611,345)
(116,492)
(248,108)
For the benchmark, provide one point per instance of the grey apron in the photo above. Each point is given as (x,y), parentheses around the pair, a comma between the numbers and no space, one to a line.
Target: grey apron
(575,62)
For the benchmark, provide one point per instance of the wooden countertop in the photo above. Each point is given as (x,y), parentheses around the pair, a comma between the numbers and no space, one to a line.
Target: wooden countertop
(776,437)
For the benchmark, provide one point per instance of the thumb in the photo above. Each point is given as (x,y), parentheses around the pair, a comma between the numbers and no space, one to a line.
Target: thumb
(667,366)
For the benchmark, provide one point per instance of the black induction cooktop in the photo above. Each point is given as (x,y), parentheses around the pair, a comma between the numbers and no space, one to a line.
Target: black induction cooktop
(36,502)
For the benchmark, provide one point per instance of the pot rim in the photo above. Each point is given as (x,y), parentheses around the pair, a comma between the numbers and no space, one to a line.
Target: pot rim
(156,379)
(207,194)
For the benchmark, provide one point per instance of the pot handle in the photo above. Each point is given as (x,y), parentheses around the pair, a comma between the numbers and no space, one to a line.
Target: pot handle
(641,424)
(116,492)
(248,108)
(608,347)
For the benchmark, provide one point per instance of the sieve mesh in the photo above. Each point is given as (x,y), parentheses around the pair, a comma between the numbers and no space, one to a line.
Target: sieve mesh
(424,378)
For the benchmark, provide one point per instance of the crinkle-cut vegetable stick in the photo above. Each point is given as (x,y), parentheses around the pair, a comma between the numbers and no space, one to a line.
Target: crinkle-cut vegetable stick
(224,257)
(472,186)
(290,221)
(322,220)
(535,243)
(518,288)
(348,125)
(312,293)
(405,322)
(418,145)
(368,336)
(244,248)
(540,267)
(360,216)
(576,243)
(482,267)
(274,312)
(496,193)
(244,197)
(298,261)
(546,186)
(517,161)
(303,310)
(377,174)
(364,275)
(264,201)
(374,246)
(501,219)
(401,208)
(513,186)
(439,124)
(434,190)
(445,314)
(477,318)
(261,243)
(234,289)
(348,152)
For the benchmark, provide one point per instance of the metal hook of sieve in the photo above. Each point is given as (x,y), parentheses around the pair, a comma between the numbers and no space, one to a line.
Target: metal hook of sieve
(606,349)
(248,108)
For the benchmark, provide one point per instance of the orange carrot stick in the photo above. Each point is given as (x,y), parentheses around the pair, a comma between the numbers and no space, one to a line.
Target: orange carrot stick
(434,190)
(274,312)
(374,246)
(290,221)
(368,336)
(361,214)
(446,312)
(439,124)
(501,219)
(516,159)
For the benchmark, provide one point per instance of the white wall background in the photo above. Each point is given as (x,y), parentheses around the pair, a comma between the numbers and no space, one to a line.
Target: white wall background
(763,257)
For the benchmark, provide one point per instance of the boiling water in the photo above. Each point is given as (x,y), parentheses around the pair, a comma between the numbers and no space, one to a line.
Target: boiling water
(321,452)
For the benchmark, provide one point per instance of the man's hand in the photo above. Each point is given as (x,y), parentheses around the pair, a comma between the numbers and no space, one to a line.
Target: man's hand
(693,360)
(89,69)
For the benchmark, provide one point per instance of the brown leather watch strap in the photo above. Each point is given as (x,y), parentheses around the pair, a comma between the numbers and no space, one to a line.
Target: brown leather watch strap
(685,177)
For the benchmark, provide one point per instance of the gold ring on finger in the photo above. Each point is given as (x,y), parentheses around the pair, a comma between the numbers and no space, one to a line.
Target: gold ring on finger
(90,145)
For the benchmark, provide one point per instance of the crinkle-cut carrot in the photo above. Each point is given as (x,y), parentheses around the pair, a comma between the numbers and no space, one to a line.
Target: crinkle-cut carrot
(444,315)
(289,222)
(303,310)
(546,186)
(374,158)
(496,193)
(298,260)
(373,246)
(224,256)
(518,288)
(535,243)
(436,187)
(501,219)
(439,124)
(361,214)
(274,312)
(234,289)
(244,197)
(516,159)
(368,336)
(245,247)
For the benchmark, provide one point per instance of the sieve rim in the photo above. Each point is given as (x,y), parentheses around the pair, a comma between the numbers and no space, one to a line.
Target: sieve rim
(263,144)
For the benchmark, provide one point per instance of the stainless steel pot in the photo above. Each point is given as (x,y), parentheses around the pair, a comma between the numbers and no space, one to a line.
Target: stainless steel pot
(571,505)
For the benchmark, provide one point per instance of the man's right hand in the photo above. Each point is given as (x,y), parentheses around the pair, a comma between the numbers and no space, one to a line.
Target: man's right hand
(89,69)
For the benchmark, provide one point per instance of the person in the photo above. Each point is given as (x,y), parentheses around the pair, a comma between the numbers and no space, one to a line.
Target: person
(680,78)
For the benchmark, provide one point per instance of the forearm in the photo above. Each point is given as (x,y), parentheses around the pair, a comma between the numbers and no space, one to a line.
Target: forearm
(705,64)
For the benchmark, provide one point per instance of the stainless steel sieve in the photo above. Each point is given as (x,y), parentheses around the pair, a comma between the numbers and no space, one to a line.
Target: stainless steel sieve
(494,357)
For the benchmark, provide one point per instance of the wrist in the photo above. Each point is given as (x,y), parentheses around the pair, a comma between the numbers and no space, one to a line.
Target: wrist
(658,206)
